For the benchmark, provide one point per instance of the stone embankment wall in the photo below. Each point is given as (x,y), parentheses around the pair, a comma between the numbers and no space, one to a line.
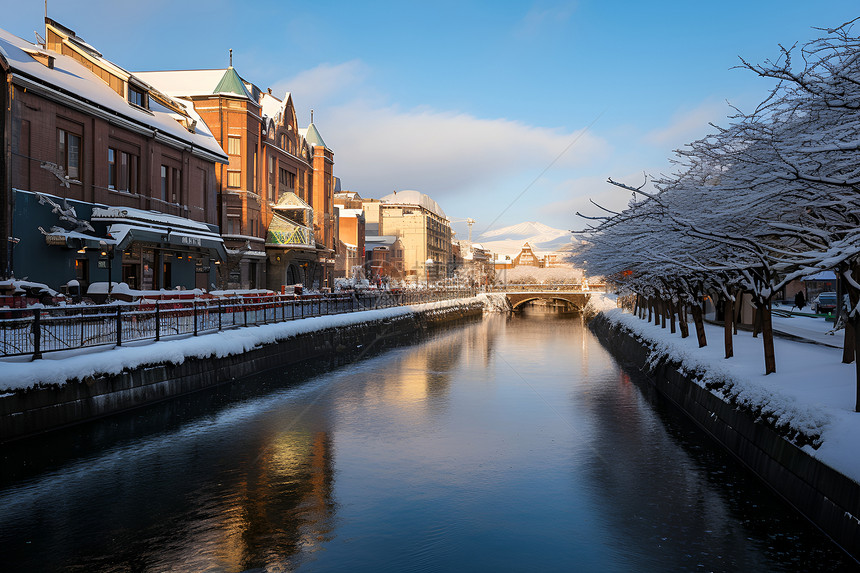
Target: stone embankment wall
(825,496)
(31,411)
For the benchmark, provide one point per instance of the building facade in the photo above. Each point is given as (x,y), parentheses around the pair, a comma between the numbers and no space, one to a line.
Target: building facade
(103,176)
(275,194)
(423,228)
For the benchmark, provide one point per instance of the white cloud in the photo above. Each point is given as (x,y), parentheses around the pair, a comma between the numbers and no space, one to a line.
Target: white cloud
(444,153)
(381,147)
(580,193)
(324,83)
(688,125)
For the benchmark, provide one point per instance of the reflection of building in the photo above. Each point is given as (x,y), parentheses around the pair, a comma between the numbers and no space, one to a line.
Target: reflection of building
(384,256)
(96,161)
(421,225)
(270,158)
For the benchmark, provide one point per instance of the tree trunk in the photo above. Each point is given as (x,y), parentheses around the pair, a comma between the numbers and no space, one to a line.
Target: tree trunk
(636,306)
(672,317)
(756,321)
(728,321)
(738,310)
(700,325)
(682,320)
(650,307)
(663,310)
(767,339)
(848,346)
(856,371)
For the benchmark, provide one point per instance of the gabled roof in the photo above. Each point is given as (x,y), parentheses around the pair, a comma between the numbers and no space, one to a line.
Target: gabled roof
(290,201)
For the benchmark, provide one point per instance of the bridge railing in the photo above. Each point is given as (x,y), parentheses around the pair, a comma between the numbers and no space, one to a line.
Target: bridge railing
(559,287)
(34,330)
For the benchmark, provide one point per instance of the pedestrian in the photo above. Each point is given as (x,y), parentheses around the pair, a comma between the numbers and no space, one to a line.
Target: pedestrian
(799,300)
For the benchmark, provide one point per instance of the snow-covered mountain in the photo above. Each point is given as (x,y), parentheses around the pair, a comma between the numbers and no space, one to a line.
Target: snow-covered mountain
(509,240)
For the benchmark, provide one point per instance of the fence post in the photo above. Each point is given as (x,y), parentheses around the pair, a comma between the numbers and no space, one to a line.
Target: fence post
(37,333)
(194,306)
(245,312)
(157,322)
(220,310)
(119,326)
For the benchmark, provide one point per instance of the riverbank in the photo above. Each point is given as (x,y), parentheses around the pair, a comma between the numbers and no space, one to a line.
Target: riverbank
(66,388)
(795,429)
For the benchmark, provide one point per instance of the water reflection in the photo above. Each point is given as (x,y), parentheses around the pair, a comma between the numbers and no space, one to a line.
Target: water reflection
(510,444)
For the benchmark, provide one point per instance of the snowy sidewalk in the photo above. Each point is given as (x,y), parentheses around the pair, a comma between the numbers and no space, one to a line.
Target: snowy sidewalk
(812,391)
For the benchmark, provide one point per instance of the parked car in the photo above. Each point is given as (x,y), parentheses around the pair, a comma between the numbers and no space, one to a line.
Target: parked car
(824,303)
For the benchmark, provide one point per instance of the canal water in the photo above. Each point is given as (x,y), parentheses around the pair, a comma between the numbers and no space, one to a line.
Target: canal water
(511,444)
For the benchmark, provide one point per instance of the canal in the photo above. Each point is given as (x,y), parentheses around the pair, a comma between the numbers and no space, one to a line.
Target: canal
(511,444)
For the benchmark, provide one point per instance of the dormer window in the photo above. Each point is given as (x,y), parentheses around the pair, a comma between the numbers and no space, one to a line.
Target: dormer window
(137,97)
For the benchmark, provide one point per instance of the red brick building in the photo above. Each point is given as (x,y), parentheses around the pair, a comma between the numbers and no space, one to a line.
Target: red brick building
(100,172)
(275,194)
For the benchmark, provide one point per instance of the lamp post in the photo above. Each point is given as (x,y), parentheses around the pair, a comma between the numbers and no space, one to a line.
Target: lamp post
(107,252)
(427,263)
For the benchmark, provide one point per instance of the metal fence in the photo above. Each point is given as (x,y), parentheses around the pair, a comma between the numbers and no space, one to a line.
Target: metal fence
(33,331)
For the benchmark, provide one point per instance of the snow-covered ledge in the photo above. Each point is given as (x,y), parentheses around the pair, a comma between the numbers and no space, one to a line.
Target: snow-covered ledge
(810,399)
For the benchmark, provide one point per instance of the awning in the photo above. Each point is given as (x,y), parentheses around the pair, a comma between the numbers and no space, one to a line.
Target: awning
(125,235)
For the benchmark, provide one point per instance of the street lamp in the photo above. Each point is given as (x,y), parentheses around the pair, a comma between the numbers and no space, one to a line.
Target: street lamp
(427,263)
(107,252)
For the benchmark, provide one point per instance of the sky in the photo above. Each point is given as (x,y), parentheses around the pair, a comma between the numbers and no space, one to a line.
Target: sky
(501,111)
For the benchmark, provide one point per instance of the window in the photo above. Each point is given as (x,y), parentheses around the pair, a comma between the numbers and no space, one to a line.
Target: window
(136,96)
(234,145)
(123,171)
(111,168)
(69,153)
(234,179)
(165,182)
(287,180)
(171,184)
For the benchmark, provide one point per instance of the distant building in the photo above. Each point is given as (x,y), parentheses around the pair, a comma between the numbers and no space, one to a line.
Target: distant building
(422,227)
(351,229)
(527,257)
(101,173)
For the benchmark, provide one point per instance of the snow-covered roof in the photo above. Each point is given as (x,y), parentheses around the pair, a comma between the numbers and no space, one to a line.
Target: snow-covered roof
(379,240)
(344,212)
(71,82)
(189,83)
(273,108)
(128,214)
(411,197)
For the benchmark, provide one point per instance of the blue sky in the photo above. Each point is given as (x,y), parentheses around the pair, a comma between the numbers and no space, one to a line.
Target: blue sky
(470,101)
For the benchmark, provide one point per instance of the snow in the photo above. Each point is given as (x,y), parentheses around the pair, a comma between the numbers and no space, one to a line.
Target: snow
(510,240)
(812,392)
(57,368)
(72,77)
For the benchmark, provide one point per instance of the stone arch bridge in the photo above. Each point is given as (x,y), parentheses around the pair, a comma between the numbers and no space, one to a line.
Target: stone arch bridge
(573,295)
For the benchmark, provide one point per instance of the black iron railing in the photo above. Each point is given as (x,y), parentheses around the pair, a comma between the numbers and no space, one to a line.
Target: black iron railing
(33,331)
